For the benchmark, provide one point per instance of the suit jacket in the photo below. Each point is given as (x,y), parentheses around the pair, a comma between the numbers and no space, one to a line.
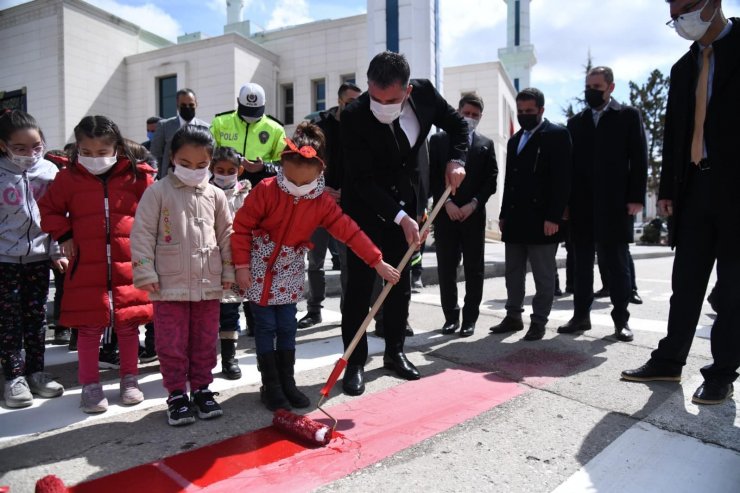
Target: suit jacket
(378,182)
(537,185)
(160,146)
(721,130)
(481,170)
(609,171)
(328,123)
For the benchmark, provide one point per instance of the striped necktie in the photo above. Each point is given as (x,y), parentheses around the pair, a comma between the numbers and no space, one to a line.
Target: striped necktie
(700,113)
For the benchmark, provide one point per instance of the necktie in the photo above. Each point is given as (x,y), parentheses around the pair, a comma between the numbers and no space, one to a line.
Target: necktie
(700,113)
(401,139)
(523,141)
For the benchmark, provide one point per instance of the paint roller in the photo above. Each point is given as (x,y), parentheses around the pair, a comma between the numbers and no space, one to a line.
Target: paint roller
(318,433)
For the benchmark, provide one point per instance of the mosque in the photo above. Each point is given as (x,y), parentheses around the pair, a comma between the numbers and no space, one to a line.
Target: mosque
(64,59)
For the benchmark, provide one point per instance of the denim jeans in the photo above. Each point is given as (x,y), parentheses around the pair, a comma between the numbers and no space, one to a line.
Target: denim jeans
(274,327)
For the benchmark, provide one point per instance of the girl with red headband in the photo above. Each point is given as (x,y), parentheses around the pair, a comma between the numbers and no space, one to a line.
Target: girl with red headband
(271,236)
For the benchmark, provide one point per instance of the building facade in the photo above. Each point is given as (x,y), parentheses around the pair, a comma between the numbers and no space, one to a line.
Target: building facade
(64,59)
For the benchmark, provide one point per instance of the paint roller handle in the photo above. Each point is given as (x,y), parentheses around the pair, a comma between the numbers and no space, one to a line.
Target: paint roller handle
(387,287)
(336,372)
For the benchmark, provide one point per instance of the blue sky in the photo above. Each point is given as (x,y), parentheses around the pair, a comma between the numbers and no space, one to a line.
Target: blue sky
(630,36)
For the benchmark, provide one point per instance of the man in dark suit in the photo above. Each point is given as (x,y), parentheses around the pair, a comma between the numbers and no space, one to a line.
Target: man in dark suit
(461,226)
(187,103)
(536,190)
(382,133)
(608,190)
(328,122)
(698,187)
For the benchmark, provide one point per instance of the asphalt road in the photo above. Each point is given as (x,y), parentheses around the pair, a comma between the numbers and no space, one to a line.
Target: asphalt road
(546,416)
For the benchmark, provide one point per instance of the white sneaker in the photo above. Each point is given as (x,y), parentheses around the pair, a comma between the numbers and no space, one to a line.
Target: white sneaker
(17,393)
(43,385)
(93,399)
(130,392)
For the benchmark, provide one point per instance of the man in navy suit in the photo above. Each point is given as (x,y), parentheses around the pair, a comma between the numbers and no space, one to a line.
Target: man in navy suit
(460,227)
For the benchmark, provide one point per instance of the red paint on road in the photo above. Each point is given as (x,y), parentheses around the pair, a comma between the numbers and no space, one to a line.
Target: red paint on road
(375,426)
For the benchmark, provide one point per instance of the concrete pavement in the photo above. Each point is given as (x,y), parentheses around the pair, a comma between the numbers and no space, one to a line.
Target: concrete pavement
(574,427)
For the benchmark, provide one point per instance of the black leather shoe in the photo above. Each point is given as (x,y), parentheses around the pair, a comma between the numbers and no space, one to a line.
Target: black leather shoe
(353,382)
(535,333)
(450,328)
(309,320)
(409,330)
(467,329)
(399,363)
(558,291)
(62,335)
(651,373)
(575,324)
(602,293)
(508,324)
(635,298)
(712,393)
(623,333)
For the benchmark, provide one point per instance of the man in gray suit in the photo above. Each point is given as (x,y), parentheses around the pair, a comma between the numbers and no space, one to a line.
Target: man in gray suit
(160,146)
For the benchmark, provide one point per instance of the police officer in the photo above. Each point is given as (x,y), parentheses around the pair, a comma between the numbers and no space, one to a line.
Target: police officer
(259,138)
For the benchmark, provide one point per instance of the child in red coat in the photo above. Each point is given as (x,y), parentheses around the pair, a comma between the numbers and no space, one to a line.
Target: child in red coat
(89,209)
(271,236)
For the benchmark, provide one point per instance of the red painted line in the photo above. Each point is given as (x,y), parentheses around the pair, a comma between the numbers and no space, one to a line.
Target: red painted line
(379,425)
(372,428)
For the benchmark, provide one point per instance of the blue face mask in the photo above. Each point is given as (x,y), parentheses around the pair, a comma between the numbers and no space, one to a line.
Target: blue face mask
(149,135)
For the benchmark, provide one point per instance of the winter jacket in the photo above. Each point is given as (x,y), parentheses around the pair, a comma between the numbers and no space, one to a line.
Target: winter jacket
(21,239)
(181,240)
(271,236)
(235,196)
(97,212)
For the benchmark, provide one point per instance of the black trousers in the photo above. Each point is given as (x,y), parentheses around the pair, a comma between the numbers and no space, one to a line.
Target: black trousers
(603,271)
(699,232)
(451,239)
(615,257)
(357,299)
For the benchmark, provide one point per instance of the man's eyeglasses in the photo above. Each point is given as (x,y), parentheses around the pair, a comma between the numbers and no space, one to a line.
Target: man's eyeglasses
(686,10)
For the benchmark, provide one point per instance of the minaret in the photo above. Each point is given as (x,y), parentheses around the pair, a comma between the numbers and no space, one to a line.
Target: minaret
(519,56)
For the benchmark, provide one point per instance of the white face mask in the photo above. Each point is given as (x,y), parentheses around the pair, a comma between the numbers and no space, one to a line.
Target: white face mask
(192,177)
(472,123)
(386,113)
(300,191)
(690,26)
(24,162)
(97,165)
(250,119)
(225,181)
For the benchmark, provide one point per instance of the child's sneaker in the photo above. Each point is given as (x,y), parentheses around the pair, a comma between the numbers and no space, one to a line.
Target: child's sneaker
(17,393)
(179,411)
(93,399)
(205,404)
(43,385)
(130,392)
(109,360)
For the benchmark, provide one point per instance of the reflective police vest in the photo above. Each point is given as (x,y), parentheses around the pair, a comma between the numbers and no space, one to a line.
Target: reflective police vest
(264,138)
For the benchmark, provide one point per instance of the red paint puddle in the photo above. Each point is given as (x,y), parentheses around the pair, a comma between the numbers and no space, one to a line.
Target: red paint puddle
(203,466)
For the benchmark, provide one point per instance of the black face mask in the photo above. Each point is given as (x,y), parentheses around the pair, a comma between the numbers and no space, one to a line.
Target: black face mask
(594,98)
(187,113)
(528,122)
